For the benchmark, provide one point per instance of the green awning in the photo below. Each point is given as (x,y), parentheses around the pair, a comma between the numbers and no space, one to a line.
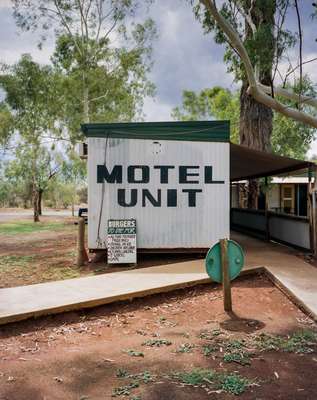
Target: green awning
(201,131)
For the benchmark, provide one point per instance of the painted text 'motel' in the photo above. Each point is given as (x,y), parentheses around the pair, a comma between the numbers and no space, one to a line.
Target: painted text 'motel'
(143,174)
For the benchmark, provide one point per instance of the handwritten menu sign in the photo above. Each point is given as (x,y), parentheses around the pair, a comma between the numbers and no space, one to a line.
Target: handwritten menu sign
(121,241)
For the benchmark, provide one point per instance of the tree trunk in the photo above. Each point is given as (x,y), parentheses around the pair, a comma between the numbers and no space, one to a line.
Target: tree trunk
(36,205)
(39,206)
(256,119)
(256,122)
(85,99)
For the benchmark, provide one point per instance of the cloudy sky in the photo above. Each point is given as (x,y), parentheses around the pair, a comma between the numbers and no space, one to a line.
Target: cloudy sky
(184,57)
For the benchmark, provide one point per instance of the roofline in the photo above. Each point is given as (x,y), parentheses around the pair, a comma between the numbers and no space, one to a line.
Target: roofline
(205,131)
(303,165)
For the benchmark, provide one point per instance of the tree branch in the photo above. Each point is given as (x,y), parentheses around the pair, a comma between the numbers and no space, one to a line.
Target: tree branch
(255,89)
(300,49)
(310,101)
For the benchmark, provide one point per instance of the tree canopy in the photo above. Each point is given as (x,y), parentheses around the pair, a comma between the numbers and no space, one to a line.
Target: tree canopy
(289,138)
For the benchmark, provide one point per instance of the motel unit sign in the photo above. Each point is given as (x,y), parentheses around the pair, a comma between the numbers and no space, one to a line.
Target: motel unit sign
(190,180)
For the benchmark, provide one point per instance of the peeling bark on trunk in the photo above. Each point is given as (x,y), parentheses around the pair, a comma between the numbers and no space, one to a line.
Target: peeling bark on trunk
(256,122)
(256,119)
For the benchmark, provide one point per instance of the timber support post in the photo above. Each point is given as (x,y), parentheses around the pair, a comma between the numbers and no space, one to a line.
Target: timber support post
(312,211)
(82,255)
(267,215)
(226,284)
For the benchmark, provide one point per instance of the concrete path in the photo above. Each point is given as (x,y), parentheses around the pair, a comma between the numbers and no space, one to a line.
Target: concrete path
(293,275)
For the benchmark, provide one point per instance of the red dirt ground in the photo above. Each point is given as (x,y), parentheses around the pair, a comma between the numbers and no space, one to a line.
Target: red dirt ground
(77,355)
(44,256)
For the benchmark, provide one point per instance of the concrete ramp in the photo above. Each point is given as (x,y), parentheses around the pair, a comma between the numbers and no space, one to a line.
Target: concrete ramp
(292,274)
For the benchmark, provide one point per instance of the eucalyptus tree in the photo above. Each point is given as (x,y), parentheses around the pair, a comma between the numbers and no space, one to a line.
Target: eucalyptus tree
(102,51)
(289,137)
(256,40)
(210,103)
(30,92)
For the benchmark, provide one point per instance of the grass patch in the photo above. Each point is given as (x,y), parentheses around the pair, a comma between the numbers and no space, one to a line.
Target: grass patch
(241,358)
(208,378)
(142,377)
(125,390)
(61,273)
(210,335)
(209,349)
(22,227)
(233,345)
(134,353)
(9,262)
(298,342)
(234,383)
(157,342)
(185,348)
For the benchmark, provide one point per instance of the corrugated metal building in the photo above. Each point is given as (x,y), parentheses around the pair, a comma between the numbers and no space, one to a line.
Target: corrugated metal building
(173,178)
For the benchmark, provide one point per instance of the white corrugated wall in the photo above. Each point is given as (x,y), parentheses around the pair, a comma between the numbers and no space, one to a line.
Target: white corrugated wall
(161,227)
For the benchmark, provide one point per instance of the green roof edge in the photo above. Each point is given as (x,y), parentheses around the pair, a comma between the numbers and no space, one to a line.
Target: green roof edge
(202,131)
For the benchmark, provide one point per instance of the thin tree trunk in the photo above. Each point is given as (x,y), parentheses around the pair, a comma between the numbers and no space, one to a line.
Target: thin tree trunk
(39,206)
(35,205)
(85,99)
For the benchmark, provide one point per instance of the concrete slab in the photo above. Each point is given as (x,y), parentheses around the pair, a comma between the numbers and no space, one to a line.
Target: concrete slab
(292,274)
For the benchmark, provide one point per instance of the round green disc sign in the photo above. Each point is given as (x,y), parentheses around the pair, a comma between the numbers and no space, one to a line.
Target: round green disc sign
(235,261)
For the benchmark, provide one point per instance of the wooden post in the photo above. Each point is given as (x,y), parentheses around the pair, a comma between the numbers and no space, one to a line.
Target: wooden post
(82,255)
(267,216)
(314,214)
(310,212)
(226,284)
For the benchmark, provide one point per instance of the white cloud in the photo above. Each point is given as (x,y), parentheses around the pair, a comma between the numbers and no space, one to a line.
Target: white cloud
(156,111)
(5,4)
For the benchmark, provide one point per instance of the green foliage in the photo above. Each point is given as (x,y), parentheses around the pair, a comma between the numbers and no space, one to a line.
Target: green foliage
(209,334)
(233,345)
(240,357)
(125,390)
(6,124)
(134,353)
(266,45)
(289,138)
(185,348)
(230,383)
(195,377)
(100,81)
(215,103)
(144,377)
(157,342)
(234,383)
(31,92)
(298,342)
(208,349)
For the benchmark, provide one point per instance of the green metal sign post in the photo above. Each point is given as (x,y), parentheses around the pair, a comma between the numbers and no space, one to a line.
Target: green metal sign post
(224,262)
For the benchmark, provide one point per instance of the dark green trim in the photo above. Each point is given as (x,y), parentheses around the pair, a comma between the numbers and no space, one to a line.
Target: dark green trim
(201,131)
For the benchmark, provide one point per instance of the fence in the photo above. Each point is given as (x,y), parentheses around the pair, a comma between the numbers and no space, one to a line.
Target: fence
(287,229)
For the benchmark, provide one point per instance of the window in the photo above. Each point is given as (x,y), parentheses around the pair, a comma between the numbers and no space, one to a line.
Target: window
(288,198)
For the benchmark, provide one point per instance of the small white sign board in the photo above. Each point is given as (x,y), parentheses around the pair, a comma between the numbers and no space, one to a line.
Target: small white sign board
(121,241)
